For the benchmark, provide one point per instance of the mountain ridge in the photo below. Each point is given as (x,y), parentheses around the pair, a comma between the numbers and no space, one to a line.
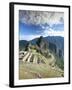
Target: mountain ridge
(55,44)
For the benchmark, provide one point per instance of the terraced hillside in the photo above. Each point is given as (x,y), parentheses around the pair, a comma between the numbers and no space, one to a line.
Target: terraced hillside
(39,61)
(34,65)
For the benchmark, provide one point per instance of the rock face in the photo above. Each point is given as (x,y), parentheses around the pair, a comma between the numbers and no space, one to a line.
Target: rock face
(42,43)
(61,54)
(52,47)
(56,50)
(56,44)
(42,46)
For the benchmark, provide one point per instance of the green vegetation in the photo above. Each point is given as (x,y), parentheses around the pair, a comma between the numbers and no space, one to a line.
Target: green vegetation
(60,63)
(40,62)
(29,70)
(44,68)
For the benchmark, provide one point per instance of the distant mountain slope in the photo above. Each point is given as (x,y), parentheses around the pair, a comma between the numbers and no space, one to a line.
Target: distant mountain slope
(22,44)
(57,40)
(55,43)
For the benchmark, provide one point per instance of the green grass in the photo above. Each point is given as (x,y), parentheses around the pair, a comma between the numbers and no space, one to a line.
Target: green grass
(60,63)
(31,71)
(51,68)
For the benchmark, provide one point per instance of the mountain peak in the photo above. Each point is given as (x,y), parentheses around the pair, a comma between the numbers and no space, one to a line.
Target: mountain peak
(42,43)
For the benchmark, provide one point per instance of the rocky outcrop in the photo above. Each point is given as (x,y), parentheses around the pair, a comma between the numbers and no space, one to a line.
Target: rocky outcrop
(42,45)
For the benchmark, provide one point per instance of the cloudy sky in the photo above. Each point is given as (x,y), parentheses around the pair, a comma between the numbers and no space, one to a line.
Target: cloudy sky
(34,24)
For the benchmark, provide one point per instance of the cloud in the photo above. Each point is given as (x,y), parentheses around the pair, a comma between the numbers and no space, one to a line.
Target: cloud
(45,33)
(52,32)
(40,17)
(45,23)
(28,37)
